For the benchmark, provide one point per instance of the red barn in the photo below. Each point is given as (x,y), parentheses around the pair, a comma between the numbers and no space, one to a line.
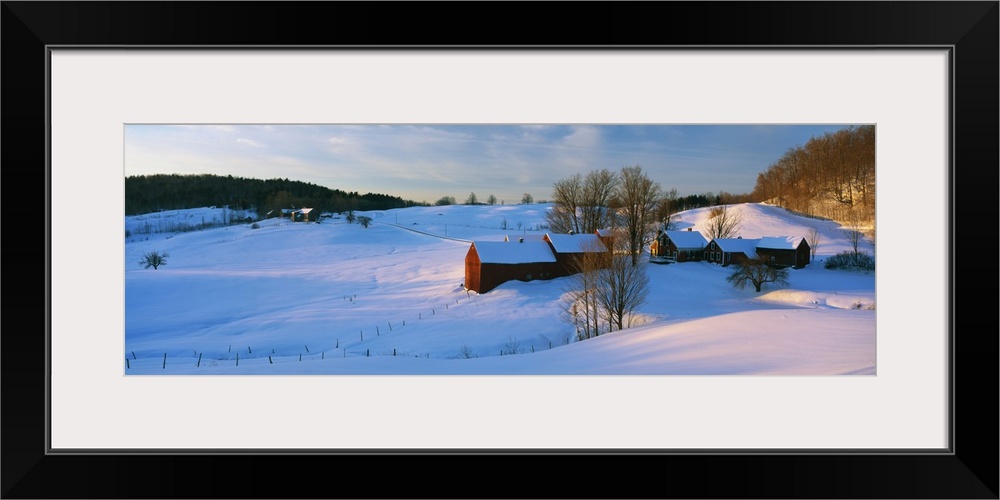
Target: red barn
(488,264)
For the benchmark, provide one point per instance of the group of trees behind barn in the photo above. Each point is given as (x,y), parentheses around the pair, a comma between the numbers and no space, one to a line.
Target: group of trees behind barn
(152,193)
(831,176)
(607,287)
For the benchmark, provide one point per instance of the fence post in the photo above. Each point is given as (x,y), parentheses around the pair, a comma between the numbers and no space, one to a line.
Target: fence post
(199,360)
(164,361)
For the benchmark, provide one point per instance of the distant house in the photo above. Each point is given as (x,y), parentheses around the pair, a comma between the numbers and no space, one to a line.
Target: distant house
(784,251)
(293,214)
(301,215)
(677,246)
(488,264)
(725,251)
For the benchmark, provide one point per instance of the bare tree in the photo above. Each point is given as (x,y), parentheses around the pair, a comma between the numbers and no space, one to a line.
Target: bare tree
(596,202)
(723,222)
(582,204)
(814,238)
(854,234)
(638,196)
(605,291)
(582,299)
(757,272)
(364,220)
(491,200)
(567,194)
(153,259)
(667,207)
(527,199)
(472,199)
(622,287)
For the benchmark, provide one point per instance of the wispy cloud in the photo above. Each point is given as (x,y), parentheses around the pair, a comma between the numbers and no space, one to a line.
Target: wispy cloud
(423,162)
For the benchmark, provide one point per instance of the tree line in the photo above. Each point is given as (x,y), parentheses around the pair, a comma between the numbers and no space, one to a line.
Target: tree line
(152,193)
(832,176)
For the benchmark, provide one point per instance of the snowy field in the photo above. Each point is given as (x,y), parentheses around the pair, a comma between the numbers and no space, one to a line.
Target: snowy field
(338,298)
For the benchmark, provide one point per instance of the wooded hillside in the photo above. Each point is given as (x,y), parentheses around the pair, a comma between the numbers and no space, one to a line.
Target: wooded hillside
(145,194)
(831,176)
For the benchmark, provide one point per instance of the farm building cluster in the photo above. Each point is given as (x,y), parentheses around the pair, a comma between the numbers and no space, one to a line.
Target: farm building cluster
(293,214)
(683,246)
(488,264)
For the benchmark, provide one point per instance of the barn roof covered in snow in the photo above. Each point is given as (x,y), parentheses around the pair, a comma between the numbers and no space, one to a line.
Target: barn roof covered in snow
(780,242)
(576,243)
(687,239)
(503,252)
(734,245)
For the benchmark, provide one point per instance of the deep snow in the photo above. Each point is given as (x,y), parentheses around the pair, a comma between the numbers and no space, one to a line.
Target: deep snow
(338,298)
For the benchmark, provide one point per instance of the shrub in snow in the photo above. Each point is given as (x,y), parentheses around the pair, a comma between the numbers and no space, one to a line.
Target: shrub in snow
(757,272)
(851,261)
(153,259)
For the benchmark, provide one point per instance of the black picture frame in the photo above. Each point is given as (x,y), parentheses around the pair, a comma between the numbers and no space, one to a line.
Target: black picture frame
(969,471)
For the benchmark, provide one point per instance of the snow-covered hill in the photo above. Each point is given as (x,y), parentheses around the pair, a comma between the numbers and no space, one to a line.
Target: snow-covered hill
(338,298)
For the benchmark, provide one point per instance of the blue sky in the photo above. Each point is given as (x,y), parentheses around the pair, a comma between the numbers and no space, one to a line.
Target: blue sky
(425,162)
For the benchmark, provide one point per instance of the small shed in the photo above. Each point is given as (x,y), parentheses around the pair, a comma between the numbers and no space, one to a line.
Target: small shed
(784,251)
(725,251)
(488,264)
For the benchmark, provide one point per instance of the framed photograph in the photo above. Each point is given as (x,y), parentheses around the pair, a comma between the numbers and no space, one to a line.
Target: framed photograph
(880,405)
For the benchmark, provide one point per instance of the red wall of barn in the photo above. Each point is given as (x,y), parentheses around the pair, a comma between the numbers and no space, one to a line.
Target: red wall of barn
(494,275)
